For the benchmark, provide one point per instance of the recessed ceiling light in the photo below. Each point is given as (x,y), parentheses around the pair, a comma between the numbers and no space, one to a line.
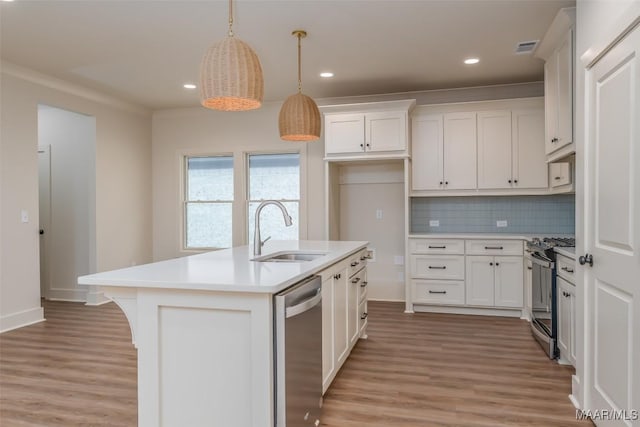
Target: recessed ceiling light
(189,86)
(326,74)
(471,61)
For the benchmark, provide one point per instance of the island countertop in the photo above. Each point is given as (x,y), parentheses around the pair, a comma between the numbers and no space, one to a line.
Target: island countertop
(230,270)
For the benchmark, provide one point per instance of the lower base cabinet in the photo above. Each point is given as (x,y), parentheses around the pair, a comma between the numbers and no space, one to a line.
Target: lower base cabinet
(343,313)
(495,281)
(566,321)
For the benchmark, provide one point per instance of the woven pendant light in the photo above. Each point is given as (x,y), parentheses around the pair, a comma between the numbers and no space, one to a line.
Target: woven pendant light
(231,75)
(299,118)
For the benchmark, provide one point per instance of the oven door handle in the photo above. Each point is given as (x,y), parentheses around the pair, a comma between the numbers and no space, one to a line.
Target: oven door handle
(539,260)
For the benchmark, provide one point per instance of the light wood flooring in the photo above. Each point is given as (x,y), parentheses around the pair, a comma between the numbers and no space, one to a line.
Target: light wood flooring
(79,369)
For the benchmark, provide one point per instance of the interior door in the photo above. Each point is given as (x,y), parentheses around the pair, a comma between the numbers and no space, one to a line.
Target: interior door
(44,198)
(612,206)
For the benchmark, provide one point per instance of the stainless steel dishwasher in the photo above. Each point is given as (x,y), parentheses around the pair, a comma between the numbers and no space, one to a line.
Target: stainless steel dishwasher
(298,354)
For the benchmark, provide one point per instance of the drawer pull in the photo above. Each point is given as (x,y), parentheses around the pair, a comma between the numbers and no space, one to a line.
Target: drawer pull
(364,284)
(567,269)
(437,292)
(353,264)
(529,268)
(437,247)
(431,267)
(494,247)
(364,316)
(362,258)
(356,280)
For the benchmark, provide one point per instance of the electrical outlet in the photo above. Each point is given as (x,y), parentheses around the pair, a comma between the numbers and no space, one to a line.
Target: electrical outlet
(378,213)
(502,223)
(371,255)
(398,260)
(434,223)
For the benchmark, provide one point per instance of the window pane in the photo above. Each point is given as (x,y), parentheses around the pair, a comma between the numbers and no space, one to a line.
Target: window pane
(272,222)
(274,176)
(209,225)
(210,178)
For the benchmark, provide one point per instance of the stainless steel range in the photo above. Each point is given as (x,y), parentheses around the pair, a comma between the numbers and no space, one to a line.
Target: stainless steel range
(544,318)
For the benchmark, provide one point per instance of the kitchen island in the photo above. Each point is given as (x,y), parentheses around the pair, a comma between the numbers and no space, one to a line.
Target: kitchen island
(203,327)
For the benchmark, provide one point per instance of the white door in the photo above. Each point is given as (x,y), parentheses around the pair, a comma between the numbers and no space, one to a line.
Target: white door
(386,131)
(44,197)
(508,282)
(612,216)
(494,149)
(344,133)
(460,148)
(480,280)
(530,168)
(426,152)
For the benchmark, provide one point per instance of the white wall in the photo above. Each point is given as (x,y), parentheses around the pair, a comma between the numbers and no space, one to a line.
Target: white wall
(180,132)
(70,238)
(123,182)
(597,22)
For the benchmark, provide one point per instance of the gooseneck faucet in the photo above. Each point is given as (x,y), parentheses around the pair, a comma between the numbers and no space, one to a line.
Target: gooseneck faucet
(257,242)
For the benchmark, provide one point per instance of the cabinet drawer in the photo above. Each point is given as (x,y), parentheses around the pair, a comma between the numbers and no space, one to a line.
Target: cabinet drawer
(565,268)
(438,292)
(494,247)
(436,246)
(450,267)
(357,262)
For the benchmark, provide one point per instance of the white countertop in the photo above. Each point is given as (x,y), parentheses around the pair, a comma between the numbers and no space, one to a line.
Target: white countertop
(568,252)
(229,269)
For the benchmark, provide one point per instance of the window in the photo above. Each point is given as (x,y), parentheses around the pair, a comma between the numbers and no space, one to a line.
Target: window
(274,177)
(208,203)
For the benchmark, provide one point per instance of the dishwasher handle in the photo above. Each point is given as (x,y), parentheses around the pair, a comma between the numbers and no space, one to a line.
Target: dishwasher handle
(305,305)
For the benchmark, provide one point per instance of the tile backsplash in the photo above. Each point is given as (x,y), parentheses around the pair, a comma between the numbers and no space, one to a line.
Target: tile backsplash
(523,214)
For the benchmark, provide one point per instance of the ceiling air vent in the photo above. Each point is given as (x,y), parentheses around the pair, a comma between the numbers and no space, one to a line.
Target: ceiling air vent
(526,47)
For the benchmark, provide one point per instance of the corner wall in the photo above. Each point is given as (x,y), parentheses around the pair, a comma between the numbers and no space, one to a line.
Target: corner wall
(123,185)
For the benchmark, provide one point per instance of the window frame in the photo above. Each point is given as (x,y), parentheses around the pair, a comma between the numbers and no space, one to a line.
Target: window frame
(185,200)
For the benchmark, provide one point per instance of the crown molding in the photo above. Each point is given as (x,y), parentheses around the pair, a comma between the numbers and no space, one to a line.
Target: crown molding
(50,82)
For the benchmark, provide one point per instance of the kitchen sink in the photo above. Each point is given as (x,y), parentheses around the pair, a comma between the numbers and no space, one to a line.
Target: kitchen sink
(296,256)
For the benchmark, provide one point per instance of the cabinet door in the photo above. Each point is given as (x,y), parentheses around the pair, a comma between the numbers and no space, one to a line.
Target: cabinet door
(480,279)
(344,133)
(530,168)
(426,152)
(352,306)
(564,318)
(386,131)
(565,92)
(508,282)
(328,361)
(341,310)
(528,284)
(494,149)
(460,151)
(572,324)
(551,102)
(560,174)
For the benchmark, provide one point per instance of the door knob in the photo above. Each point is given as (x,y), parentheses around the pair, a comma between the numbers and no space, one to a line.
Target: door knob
(586,259)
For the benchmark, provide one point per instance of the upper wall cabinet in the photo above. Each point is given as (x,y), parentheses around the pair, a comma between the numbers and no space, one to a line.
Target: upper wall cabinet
(490,150)
(371,130)
(557,50)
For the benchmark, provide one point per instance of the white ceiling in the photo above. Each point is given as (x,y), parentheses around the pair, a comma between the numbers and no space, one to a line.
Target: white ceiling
(144,50)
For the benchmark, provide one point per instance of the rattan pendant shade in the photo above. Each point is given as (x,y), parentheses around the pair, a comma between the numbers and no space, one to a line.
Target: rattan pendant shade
(299,118)
(231,75)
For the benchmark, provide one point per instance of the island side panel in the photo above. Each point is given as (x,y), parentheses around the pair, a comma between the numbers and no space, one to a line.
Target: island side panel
(205,358)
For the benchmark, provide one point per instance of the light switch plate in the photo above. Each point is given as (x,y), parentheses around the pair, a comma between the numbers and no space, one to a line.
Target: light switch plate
(502,223)
(24,215)
(378,213)
(434,223)
(398,260)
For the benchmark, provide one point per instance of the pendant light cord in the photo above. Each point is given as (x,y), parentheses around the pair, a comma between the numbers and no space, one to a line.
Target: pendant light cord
(299,66)
(230,18)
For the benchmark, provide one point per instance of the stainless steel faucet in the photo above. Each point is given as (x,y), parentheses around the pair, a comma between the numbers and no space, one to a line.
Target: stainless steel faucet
(257,243)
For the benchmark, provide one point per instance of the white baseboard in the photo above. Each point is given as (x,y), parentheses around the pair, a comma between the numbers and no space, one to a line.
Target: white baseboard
(467,310)
(385,299)
(576,392)
(95,296)
(21,318)
(71,295)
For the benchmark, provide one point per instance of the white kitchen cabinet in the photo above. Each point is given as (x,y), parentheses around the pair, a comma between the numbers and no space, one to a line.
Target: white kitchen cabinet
(372,129)
(353,302)
(566,321)
(560,174)
(494,150)
(460,151)
(494,281)
(556,49)
(511,150)
(529,167)
(427,134)
(341,312)
(328,361)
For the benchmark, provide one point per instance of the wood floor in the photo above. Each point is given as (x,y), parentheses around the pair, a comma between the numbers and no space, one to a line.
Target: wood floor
(79,369)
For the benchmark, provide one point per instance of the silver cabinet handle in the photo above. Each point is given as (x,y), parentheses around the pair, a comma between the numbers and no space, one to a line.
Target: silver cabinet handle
(437,292)
(303,306)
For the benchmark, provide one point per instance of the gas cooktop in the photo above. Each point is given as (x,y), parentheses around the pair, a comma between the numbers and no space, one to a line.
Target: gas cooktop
(547,243)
